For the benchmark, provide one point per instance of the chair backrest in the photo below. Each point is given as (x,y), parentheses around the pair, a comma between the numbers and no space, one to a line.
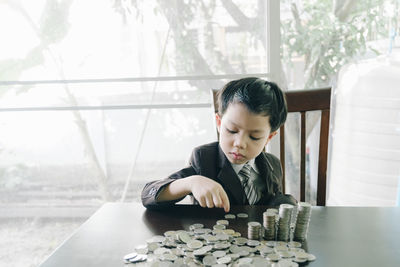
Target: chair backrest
(302,101)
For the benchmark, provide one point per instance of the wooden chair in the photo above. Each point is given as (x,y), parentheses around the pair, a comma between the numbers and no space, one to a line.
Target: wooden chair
(302,101)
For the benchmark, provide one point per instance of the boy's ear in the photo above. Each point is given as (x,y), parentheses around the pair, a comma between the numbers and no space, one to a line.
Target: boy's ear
(218,121)
(272,134)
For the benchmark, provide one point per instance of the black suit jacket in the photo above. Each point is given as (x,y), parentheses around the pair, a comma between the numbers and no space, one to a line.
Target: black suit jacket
(210,161)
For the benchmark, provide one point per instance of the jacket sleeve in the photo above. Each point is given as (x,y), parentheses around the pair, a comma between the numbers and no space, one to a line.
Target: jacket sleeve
(152,189)
(279,197)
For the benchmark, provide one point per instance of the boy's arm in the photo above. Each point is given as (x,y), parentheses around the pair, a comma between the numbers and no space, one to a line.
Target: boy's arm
(206,191)
(152,190)
(166,192)
(279,197)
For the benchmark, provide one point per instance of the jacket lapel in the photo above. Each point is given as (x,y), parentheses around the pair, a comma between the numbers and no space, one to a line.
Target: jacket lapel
(229,179)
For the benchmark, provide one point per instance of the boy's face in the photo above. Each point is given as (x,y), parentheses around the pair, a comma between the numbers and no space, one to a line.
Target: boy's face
(242,134)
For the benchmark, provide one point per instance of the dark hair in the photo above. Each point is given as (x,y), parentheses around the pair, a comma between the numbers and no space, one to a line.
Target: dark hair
(259,96)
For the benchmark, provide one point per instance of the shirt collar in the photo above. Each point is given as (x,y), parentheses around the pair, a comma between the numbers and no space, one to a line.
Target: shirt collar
(238,167)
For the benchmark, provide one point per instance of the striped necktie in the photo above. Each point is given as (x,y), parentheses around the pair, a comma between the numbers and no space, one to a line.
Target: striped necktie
(248,186)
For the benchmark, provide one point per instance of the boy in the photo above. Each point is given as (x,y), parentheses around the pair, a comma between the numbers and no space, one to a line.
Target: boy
(234,170)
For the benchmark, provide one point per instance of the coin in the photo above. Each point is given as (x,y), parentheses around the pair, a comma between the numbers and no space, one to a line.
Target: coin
(195,244)
(245,261)
(138,258)
(230,216)
(223,222)
(273,257)
(196,226)
(170,233)
(242,215)
(224,260)
(219,253)
(311,257)
(294,244)
(129,256)
(219,227)
(184,237)
(209,260)
(169,257)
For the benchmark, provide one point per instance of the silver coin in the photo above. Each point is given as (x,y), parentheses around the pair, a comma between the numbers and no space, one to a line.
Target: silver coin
(253,243)
(240,241)
(245,261)
(196,226)
(242,215)
(301,255)
(299,260)
(229,231)
(157,239)
(224,260)
(138,258)
(273,257)
(233,256)
(160,251)
(223,222)
(222,245)
(129,256)
(169,233)
(209,260)
(296,250)
(195,244)
(230,216)
(286,254)
(260,262)
(243,253)
(281,248)
(311,257)
(222,237)
(184,237)
(141,249)
(294,244)
(169,257)
(219,253)
(219,227)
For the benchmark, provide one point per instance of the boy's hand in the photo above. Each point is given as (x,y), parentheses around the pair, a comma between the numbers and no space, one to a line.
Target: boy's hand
(209,193)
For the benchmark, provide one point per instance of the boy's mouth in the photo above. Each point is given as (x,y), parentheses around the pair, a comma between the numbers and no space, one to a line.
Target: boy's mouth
(237,156)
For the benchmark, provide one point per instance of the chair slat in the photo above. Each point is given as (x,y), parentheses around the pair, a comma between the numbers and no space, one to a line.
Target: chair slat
(303,157)
(282,156)
(323,158)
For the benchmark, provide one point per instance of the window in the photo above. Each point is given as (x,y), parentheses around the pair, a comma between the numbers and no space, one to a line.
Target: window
(99,97)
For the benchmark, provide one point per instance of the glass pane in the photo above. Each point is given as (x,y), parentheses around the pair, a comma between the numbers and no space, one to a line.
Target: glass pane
(292,154)
(319,37)
(107,39)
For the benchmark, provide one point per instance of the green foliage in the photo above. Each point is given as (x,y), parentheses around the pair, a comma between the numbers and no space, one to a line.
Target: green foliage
(326,39)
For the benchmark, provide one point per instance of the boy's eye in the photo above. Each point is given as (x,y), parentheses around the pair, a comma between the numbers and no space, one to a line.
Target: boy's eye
(254,138)
(231,131)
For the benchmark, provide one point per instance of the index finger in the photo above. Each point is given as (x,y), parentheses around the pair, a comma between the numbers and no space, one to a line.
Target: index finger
(225,200)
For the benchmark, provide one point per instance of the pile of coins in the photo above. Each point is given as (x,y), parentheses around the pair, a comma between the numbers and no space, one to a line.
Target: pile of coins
(285,216)
(270,218)
(219,246)
(254,231)
(303,221)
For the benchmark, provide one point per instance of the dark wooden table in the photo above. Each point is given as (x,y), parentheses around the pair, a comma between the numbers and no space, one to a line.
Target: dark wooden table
(338,236)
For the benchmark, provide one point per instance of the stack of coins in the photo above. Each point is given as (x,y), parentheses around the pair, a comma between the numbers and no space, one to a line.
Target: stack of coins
(269,223)
(303,221)
(285,216)
(254,230)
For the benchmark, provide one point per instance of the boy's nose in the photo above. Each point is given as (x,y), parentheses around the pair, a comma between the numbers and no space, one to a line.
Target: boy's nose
(240,141)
